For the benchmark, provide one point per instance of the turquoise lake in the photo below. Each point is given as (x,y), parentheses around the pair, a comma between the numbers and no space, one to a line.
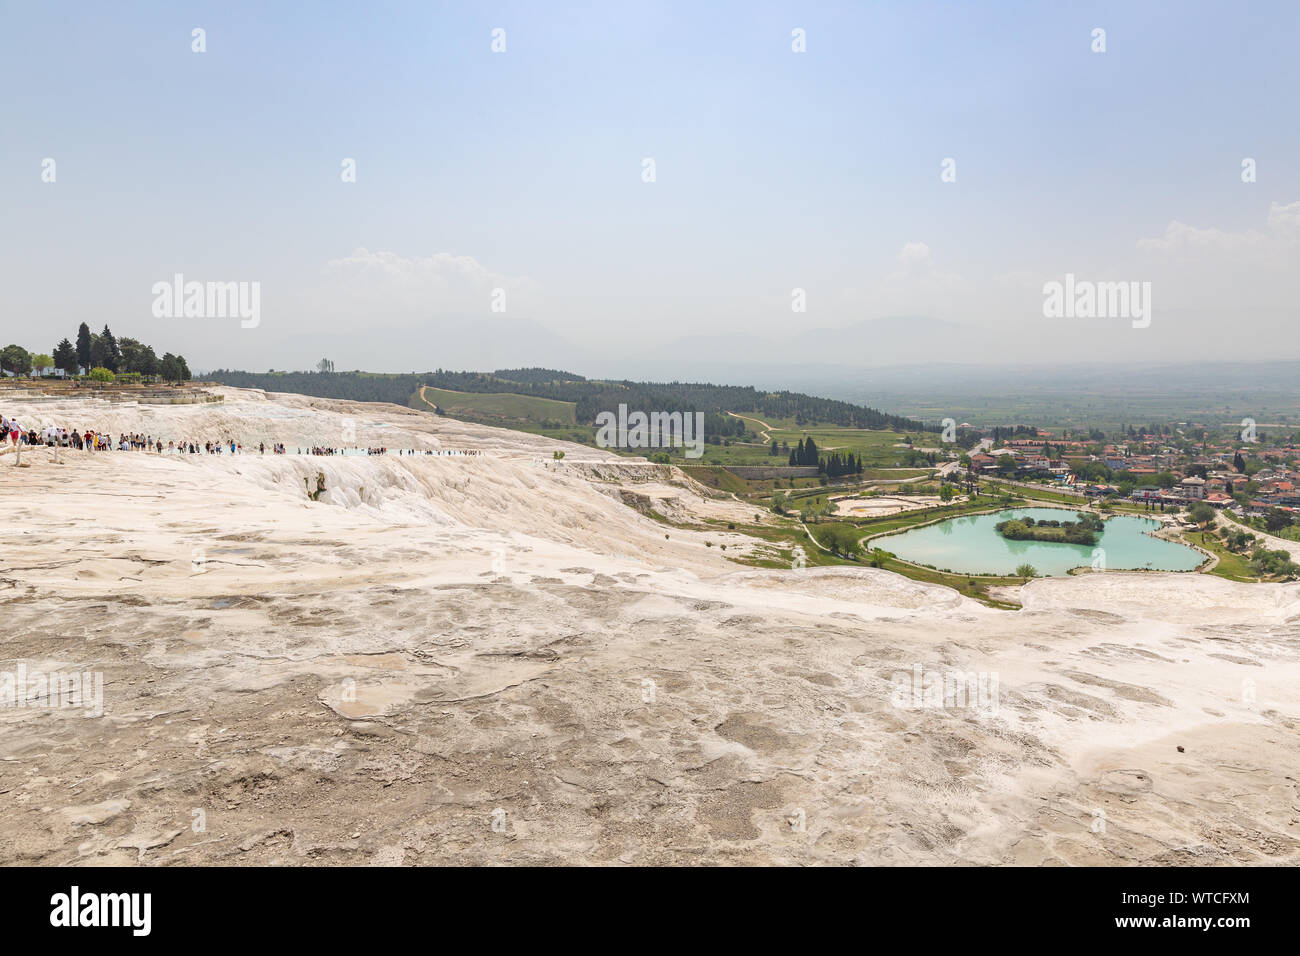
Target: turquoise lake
(971,545)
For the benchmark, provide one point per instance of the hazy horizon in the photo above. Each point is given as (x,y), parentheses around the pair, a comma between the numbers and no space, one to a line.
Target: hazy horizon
(500,213)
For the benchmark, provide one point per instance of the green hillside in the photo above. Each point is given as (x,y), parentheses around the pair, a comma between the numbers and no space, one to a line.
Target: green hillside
(505,407)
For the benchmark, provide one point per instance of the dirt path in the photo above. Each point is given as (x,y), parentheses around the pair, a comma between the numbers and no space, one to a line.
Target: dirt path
(814,540)
(767,429)
(1271,542)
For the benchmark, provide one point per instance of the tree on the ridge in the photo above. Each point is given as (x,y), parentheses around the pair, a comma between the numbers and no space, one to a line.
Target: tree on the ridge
(113,353)
(1203,515)
(810,459)
(100,357)
(65,357)
(138,357)
(169,368)
(83,346)
(1275,519)
(16,359)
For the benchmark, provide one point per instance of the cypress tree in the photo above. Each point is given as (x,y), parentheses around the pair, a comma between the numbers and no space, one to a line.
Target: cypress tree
(83,346)
(114,360)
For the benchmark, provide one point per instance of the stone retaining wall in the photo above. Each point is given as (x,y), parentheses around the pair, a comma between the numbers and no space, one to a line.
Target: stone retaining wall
(771,471)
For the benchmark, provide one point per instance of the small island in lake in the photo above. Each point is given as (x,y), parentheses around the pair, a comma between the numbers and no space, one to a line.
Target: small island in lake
(1083,531)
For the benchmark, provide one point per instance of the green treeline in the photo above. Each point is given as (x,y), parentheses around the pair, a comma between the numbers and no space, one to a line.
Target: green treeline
(589,397)
(126,359)
(806,455)
(534,375)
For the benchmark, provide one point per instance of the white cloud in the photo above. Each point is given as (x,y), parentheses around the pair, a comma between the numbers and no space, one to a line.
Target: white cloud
(443,283)
(1284,218)
(439,269)
(1282,224)
(1180,236)
(917,274)
(914,253)
(1237,275)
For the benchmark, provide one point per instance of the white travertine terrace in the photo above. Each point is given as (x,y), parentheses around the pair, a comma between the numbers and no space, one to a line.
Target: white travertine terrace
(365,678)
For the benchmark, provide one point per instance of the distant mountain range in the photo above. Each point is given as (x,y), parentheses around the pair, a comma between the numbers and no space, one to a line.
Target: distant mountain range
(919,367)
(795,359)
(874,342)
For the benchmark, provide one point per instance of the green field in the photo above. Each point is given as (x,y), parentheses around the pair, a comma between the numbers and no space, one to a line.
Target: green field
(719,478)
(498,406)
(879,449)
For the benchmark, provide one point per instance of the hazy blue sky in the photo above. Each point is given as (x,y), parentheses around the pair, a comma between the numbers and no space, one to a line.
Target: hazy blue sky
(522,170)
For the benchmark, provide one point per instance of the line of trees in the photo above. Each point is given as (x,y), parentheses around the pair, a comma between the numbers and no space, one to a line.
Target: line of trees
(835,465)
(589,397)
(95,352)
(806,455)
